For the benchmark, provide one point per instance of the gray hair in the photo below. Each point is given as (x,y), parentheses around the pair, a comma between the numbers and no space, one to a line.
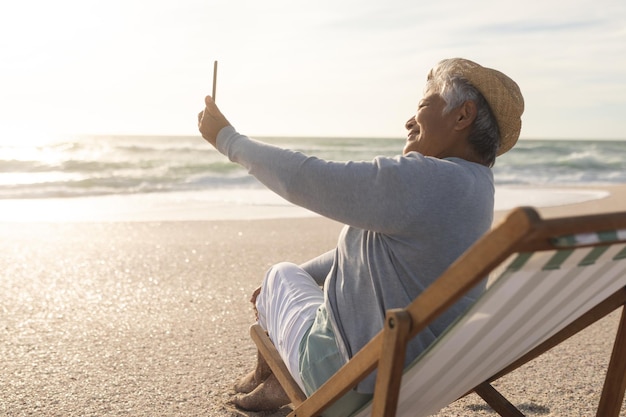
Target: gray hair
(484,136)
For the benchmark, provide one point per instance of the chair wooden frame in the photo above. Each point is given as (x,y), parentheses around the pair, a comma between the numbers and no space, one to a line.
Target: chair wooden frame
(522,231)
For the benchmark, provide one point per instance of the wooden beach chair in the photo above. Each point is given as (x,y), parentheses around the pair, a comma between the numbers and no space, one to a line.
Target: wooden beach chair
(549,279)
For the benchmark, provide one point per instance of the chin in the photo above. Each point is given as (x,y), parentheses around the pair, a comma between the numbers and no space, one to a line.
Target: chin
(410,147)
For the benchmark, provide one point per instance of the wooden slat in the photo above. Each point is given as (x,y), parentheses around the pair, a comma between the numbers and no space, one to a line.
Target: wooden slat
(276,364)
(540,239)
(391,364)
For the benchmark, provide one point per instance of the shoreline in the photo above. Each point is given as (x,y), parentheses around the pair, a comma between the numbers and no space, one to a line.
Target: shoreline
(254,204)
(614,200)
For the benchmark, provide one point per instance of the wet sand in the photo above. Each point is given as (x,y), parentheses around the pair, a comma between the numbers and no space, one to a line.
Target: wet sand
(151,318)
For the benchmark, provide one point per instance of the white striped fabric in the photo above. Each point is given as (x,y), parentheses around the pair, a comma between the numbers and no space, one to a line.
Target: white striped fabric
(533,299)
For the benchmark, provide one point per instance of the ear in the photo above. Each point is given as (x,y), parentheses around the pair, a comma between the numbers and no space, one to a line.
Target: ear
(466,114)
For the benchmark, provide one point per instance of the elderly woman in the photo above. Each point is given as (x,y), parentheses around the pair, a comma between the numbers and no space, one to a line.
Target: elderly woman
(407,219)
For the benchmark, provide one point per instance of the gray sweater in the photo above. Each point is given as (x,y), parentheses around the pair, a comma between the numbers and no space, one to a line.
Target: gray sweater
(407,219)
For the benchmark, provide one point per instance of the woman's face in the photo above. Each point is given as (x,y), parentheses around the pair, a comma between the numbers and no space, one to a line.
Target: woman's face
(429,131)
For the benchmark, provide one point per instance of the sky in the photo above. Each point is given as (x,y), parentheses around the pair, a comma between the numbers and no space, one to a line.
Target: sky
(301,68)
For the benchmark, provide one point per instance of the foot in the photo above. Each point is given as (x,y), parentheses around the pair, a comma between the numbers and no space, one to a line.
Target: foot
(266,397)
(255,378)
(247,384)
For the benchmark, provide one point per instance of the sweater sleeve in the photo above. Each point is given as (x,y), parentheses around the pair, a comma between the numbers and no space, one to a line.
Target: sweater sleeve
(320,266)
(360,194)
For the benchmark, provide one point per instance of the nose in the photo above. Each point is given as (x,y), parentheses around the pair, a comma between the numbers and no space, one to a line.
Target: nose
(410,123)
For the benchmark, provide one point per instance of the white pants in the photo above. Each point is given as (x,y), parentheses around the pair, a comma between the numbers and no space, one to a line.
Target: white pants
(287,305)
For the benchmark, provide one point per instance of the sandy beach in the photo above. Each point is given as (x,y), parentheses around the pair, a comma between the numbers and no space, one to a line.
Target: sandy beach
(151,318)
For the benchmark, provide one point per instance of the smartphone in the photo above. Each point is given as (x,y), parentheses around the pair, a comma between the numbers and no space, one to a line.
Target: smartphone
(214,79)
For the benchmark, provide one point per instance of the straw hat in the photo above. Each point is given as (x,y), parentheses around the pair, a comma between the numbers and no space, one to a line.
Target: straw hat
(502,94)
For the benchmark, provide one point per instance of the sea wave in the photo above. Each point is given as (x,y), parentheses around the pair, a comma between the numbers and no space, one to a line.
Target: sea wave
(563,163)
(110,165)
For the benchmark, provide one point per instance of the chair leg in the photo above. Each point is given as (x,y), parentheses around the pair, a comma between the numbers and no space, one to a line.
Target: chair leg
(497,401)
(615,382)
(276,364)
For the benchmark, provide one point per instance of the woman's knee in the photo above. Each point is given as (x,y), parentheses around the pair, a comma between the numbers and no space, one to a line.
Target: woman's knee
(275,278)
(279,272)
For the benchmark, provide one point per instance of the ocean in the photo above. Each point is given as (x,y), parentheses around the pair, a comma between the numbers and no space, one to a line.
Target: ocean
(182,177)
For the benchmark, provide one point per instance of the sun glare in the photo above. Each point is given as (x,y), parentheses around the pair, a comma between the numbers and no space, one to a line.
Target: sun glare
(27,146)
(19,137)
